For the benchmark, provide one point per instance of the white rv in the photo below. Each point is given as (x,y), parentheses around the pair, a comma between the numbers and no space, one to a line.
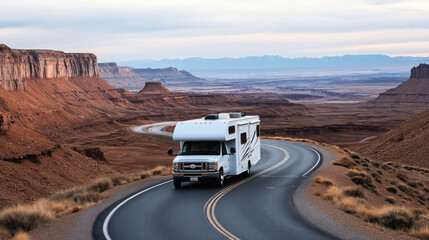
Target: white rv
(216,146)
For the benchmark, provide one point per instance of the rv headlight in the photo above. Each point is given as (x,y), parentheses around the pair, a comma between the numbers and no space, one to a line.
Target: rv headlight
(212,166)
(176,166)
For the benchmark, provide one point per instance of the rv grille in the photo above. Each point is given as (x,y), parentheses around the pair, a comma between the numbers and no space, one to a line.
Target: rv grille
(193,166)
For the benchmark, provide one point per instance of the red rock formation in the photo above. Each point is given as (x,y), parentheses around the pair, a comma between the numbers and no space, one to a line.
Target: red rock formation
(154,88)
(413,92)
(422,71)
(18,65)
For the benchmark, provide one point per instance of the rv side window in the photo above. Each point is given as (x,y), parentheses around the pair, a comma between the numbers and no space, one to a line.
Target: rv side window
(231,129)
(243,138)
(224,149)
(258,133)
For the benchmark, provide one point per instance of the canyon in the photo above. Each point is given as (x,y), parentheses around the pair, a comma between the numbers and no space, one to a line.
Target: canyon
(61,124)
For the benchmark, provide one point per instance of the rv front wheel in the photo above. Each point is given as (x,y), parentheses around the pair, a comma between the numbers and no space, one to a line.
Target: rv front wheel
(220,179)
(177,184)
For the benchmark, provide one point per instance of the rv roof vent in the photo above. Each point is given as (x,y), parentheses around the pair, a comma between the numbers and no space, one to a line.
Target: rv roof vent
(223,115)
(211,117)
(235,115)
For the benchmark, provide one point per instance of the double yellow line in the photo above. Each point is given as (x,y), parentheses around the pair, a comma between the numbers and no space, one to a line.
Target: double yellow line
(209,207)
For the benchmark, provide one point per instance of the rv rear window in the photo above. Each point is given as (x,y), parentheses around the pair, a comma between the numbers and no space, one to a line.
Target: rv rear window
(258,133)
(231,129)
(243,138)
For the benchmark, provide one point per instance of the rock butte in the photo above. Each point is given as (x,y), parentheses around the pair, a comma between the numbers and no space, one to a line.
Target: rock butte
(413,92)
(17,65)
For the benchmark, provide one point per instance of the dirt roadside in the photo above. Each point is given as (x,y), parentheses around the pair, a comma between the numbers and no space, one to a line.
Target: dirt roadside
(324,214)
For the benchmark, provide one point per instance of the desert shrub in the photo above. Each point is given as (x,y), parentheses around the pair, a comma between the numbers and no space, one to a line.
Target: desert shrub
(26,217)
(4,233)
(403,177)
(376,164)
(87,197)
(360,178)
(323,181)
(345,162)
(390,200)
(396,218)
(385,166)
(161,170)
(352,205)
(392,190)
(355,192)
(100,185)
(67,194)
(332,193)
(354,156)
(405,189)
(120,180)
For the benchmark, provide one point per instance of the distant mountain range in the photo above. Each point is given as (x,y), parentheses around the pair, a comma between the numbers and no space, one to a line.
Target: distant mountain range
(277,63)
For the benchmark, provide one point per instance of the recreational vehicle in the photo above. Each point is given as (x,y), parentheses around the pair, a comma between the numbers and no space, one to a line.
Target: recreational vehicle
(216,146)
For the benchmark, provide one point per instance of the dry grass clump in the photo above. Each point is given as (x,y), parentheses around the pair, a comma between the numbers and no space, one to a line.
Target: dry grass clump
(161,170)
(422,233)
(323,181)
(354,192)
(24,218)
(390,200)
(16,220)
(21,236)
(352,200)
(318,193)
(332,193)
(121,179)
(100,185)
(345,162)
(360,177)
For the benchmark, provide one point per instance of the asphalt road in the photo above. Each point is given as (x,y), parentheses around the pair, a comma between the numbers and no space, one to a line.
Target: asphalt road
(258,207)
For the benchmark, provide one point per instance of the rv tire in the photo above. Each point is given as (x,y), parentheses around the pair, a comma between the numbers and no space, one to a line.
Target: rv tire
(177,184)
(220,179)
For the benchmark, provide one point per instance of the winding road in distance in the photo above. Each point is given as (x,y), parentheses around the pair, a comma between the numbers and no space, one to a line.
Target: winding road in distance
(258,207)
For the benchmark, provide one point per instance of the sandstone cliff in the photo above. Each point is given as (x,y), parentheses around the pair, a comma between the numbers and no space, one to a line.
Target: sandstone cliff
(413,92)
(18,65)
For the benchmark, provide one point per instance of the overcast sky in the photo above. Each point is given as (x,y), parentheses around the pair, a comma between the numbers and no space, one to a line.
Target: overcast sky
(156,29)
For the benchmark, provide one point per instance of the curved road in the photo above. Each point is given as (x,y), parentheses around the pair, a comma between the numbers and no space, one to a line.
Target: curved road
(258,207)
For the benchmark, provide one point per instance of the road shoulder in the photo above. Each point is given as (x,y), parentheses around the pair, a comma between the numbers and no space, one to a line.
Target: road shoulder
(326,216)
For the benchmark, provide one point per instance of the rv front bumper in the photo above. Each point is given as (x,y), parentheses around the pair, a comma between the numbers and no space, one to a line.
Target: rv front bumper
(195,177)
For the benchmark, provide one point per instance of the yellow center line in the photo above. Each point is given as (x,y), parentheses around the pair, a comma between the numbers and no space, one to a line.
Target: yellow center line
(209,207)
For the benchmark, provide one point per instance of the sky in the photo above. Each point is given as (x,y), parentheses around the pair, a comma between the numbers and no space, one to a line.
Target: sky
(156,29)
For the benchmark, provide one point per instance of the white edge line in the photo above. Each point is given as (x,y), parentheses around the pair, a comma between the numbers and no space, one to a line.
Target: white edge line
(318,160)
(106,221)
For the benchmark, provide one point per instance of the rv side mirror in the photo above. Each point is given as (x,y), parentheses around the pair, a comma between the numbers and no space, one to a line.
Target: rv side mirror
(170,152)
(232,150)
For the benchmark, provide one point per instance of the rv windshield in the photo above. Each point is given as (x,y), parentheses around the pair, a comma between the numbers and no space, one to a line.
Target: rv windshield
(200,148)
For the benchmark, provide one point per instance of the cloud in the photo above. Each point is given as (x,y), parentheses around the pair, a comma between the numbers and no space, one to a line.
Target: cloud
(167,28)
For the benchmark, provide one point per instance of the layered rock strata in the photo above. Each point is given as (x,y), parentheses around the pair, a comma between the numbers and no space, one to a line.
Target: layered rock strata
(18,65)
